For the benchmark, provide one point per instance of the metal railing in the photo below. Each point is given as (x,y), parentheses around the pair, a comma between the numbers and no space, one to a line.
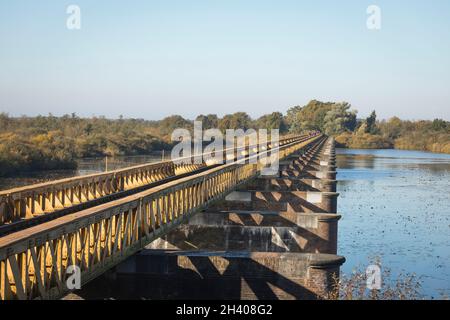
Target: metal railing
(40,199)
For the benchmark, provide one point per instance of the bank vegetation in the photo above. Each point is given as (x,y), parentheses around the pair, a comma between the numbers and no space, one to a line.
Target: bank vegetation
(50,142)
(341,121)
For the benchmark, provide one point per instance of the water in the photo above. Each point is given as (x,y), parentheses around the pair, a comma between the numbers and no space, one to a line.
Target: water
(396,205)
(85,166)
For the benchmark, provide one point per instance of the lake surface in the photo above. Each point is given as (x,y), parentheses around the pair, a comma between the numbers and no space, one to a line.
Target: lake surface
(396,205)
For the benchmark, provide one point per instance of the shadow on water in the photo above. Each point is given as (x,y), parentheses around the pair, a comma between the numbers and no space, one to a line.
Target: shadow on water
(203,279)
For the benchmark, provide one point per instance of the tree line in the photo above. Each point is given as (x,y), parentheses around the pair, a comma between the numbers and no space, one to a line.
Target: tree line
(340,121)
(50,142)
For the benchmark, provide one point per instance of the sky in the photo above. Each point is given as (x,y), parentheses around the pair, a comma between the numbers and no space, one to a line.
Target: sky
(151,59)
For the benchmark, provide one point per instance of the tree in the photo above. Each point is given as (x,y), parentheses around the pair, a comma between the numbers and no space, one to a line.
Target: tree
(439,124)
(293,120)
(238,120)
(168,124)
(275,120)
(351,122)
(339,119)
(88,129)
(209,121)
(309,117)
(371,123)
(392,128)
(4,121)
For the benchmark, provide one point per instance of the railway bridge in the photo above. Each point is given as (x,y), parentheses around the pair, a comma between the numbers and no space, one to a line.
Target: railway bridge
(171,230)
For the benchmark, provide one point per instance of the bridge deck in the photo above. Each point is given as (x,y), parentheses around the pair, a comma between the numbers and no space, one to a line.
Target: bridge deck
(34,261)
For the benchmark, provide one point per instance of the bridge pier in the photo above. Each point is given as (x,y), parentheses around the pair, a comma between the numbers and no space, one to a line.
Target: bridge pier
(290,184)
(284,201)
(255,232)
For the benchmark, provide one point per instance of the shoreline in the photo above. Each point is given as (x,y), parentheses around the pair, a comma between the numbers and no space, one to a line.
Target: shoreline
(401,149)
(28,173)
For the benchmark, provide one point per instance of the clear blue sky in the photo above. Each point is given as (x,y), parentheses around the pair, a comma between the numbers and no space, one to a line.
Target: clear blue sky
(150,59)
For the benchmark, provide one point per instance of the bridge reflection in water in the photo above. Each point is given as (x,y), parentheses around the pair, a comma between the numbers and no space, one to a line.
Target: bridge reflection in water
(196,230)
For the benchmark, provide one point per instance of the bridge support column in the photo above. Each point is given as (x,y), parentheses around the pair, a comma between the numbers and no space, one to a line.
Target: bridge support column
(325,185)
(329,201)
(328,230)
(323,278)
(329,175)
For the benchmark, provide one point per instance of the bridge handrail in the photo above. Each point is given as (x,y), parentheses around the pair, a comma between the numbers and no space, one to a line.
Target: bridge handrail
(121,170)
(28,201)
